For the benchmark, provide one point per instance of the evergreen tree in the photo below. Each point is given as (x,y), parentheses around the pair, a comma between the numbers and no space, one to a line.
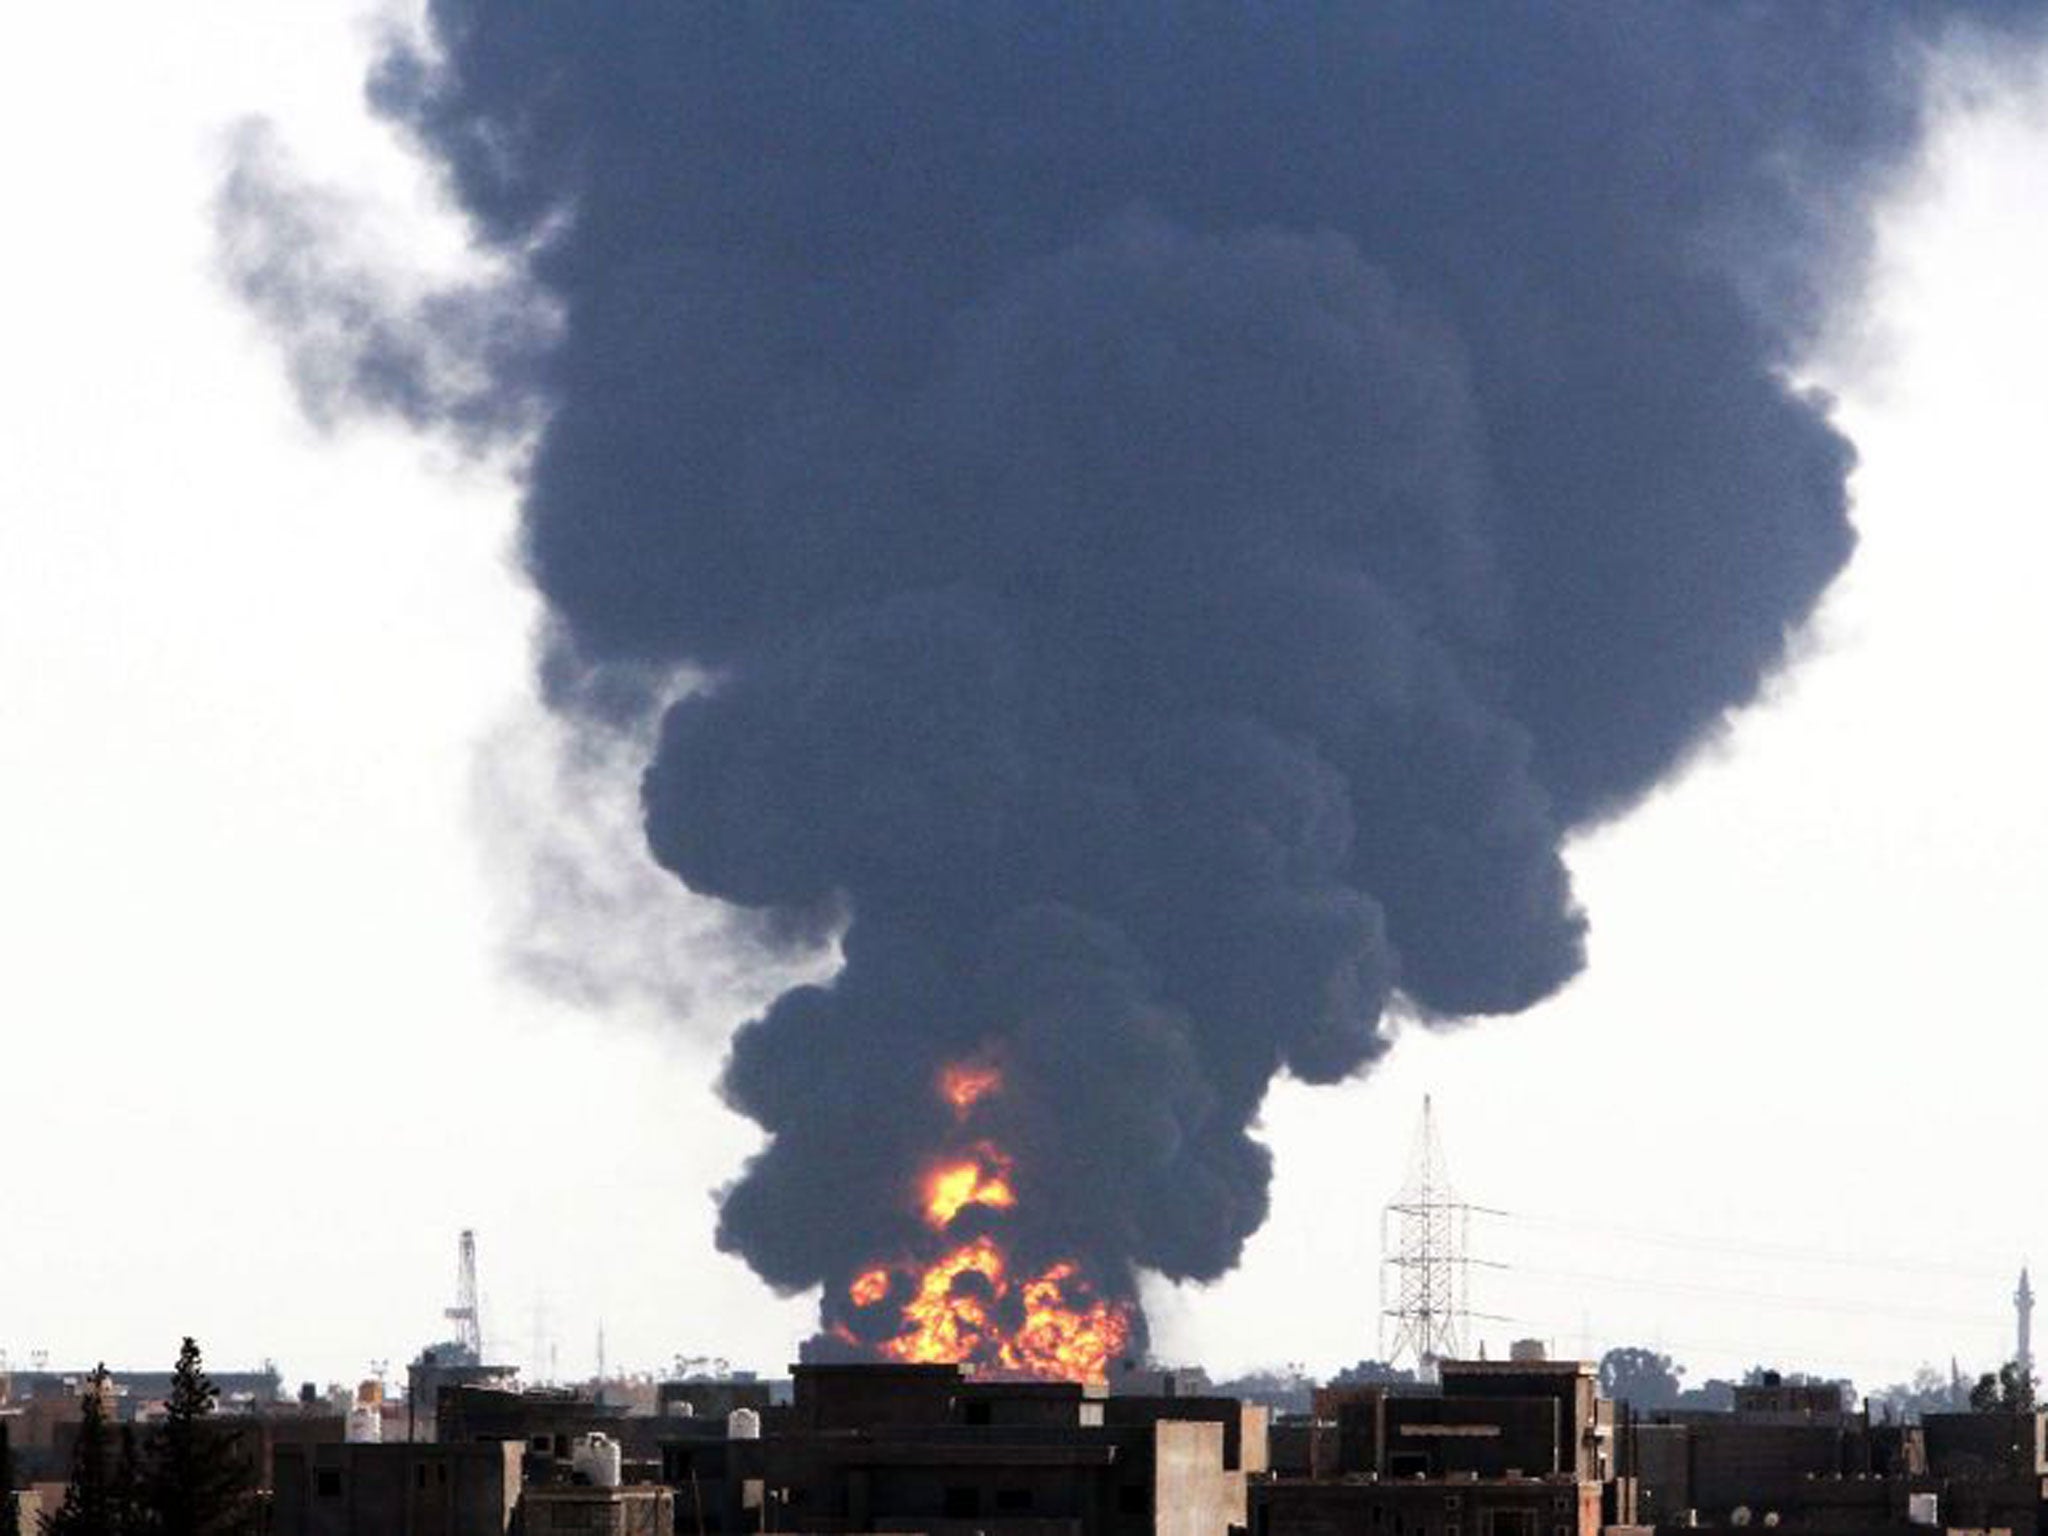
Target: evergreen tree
(10,1511)
(2008,1390)
(89,1506)
(196,1480)
(125,1495)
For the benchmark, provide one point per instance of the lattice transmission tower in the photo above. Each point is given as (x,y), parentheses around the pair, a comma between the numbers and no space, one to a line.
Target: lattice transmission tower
(1425,1271)
(466,1315)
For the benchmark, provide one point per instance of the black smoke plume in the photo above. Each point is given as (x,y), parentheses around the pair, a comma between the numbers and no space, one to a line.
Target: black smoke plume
(1182,508)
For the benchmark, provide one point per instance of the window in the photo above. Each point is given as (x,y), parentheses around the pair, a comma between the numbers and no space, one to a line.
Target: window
(1013,1501)
(419,1474)
(978,1413)
(962,1502)
(327,1483)
(1133,1499)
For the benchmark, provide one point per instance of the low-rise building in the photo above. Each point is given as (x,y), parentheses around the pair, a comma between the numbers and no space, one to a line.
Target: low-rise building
(560,1509)
(396,1490)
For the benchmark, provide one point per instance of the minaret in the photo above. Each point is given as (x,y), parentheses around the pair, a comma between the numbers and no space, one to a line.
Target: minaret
(2023,1304)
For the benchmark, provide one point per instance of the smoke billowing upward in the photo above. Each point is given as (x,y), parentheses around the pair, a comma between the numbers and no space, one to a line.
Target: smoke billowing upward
(1182,509)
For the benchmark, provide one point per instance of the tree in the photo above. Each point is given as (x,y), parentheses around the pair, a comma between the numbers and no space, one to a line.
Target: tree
(89,1507)
(2009,1390)
(125,1491)
(1372,1373)
(10,1511)
(1287,1389)
(196,1479)
(1640,1377)
(1930,1391)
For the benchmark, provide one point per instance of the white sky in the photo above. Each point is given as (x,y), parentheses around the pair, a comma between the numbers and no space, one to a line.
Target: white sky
(262,692)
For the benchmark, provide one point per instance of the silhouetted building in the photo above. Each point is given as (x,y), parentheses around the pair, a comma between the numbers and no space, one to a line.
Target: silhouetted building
(1502,1448)
(396,1490)
(925,1448)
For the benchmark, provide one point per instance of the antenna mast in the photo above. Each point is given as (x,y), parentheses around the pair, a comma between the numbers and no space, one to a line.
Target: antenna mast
(468,1321)
(1424,1276)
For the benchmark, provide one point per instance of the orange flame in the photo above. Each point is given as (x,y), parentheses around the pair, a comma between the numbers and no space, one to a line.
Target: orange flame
(1058,1338)
(941,1326)
(964,1306)
(964,1084)
(1063,1341)
(983,1179)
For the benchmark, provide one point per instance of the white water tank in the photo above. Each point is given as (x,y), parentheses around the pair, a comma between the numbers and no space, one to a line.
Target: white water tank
(743,1424)
(365,1425)
(1923,1508)
(595,1458)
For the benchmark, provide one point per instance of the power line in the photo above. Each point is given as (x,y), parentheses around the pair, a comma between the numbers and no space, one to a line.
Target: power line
(1786,1252)
(1740,1293)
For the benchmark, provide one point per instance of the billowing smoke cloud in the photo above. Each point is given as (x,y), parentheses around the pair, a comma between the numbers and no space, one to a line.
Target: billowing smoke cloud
(1183,508)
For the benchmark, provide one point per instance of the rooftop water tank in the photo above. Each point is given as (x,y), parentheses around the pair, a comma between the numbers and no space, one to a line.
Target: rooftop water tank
(365,1425)
(595,1459)
(743,1424)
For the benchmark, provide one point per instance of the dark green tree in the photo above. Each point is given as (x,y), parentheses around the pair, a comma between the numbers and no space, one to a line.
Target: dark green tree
(2009,1390)
(1640,1377)
(89,1507)
(130,1517)
(10,1511)
(196,1476)
(1372,1373)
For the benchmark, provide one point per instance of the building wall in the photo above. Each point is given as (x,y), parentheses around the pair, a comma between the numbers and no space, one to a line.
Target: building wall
(395,1490)
(1572,1384)
(630,1511)
(1662,1454)
(1193,1492)
(1487,1437)
(1449,1507)
(1985,1444)
(1757,1465)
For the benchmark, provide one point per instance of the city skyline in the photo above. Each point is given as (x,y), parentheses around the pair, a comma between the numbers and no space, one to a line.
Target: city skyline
(285,882)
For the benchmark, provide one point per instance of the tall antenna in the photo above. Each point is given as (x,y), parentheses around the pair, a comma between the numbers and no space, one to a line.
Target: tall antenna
(2023,1307)
(468,1321)
(1425,1274)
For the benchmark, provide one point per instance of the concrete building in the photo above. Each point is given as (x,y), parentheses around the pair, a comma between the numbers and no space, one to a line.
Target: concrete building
(440,1366)
(396,1490)
(239,1390)
(925,1448)
(559,1509)
(1460,1506)
(1986,1445)
(1502,1448)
